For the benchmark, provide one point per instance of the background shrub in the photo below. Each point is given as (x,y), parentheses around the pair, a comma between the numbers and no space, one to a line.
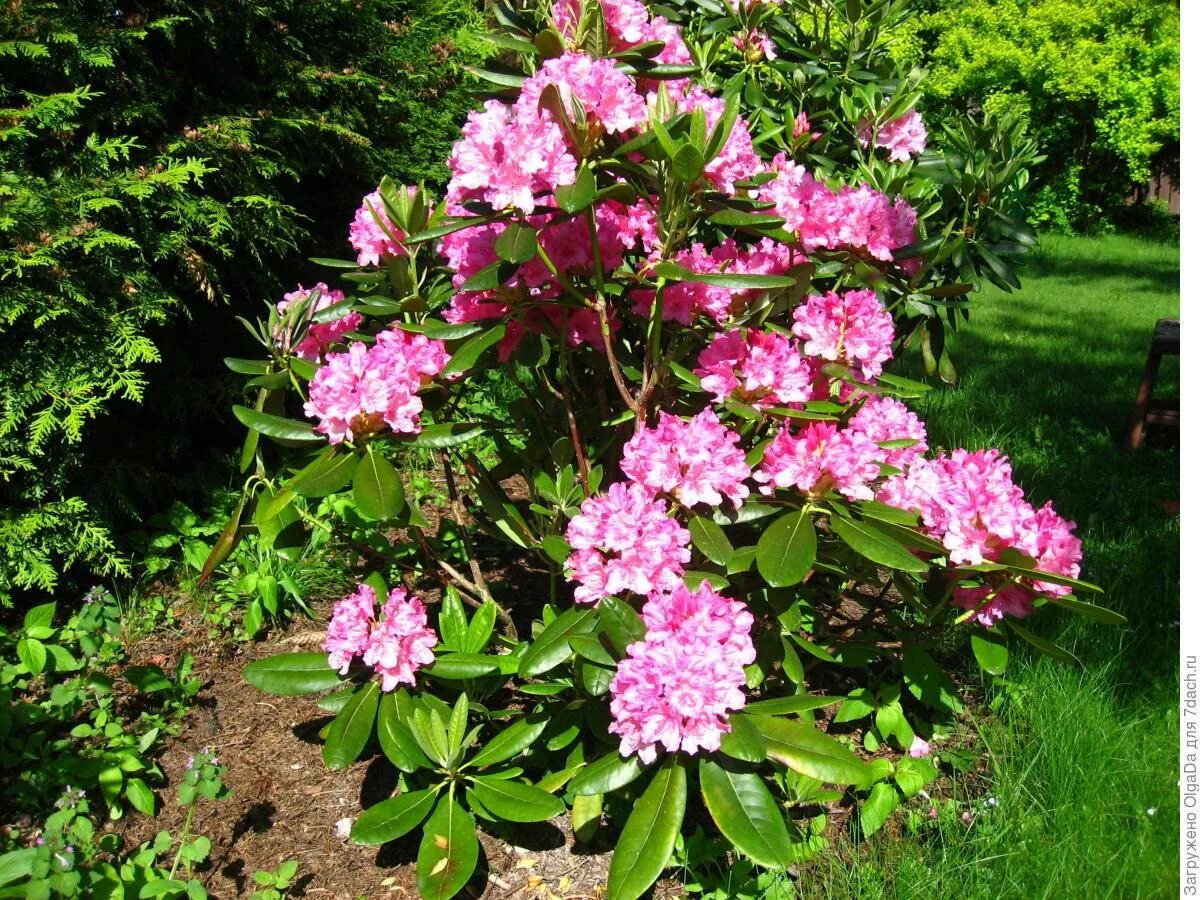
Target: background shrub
(158,162)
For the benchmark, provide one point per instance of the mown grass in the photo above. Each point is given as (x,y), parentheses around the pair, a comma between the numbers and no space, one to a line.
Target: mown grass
(1079,757)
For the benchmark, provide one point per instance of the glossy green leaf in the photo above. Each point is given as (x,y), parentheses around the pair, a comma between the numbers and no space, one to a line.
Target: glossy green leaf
(730,281)
(395,738)
(607,773)
(578,196)
(991,651)
(483,625)
(514,739)
(882,802)
(785,706)
(1090,611)
(517,244)
(1050,648)
(927,682)
(710,540)
(393,818)
(516,801)
(743,741)
(787,549)
(328,473)
(352,728)
(448,853)
(551,646)
(620,623)
(649,834)
(875,545)
(469,351)
(292,674)
(804,749)
(747,814)
(378,493)
(277,426)
(446,435)
(139,795)
(452,621)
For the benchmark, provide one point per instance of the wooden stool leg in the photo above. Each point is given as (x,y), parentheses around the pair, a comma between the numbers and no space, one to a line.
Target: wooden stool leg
(1137,424)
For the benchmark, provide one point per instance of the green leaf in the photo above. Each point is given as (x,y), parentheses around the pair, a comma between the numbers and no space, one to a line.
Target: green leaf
(927,682)
(620,623)
(883,801)
(483,625)
(17,864)
(1048,647)
(787,549)
(470,350)
(737,218)
(41,616)
(139,795)
(743,741)
(517,244)
(802,748)
(393,818)
(607,773)
(351,729)
(1090,611)
(147,679)
(747,814)
(876,546)
(586,810)
(462,666)
(448,853)
(452,621)
(277,426)
(576,197)
(395,738)
(327,474)
(378,493)
(551,646)
(292,674)
(1033,574)
(912,775)
(730,281)
(710,540)
(514,739)
(32,654)
(649,834)
(516,801)
(785,706)
(991,651)
(444,436)
(687,163)
(447,227)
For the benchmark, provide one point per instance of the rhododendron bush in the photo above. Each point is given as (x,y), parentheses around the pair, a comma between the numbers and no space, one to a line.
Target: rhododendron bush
(736,516)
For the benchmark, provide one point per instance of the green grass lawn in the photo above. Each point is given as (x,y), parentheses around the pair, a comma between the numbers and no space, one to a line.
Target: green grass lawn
(1079,757)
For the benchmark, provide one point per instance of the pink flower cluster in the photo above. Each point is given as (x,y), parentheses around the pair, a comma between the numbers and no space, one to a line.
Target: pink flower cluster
(374,244)
(627,24)
(968,502)
(903,137)
(396,643)
(677,686)
(756,45)
(594,86)
(852,328)
(696,460)
(819,457)
(625,540)
(737,160)
(849,219)
(358,392)
(761,368)
(319,337)
(884,419)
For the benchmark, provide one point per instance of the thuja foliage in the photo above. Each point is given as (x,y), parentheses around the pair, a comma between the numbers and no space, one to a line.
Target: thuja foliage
(1098,83)
(156,160)
(735,513)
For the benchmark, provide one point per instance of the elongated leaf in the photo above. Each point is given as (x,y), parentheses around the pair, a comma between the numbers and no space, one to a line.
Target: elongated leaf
(1050,648)
(737,218)
(710,540)
(576,197)
(292,674)
(17,864)
(551,646)
(620,623)
(746,813)
(393,818)
(1090,611)
(743,741)
(378,493)
(787,549)
(649,834)
(991,652)
(328,473)
(802,748)
(448,853)
(461,666)
(516,801)
(508,743)
(607,773)
(452,621)
(1033,574)
(277,426)
(875,545)
(483,625)
(351,729)
(517,244)
(395,738)
(883,801)
(450,434)
(729,281)
(586,810)
(446,227)
(783,706)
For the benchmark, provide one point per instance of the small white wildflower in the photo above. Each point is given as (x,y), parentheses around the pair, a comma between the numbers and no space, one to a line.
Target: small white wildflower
(1152,810)
(342,826)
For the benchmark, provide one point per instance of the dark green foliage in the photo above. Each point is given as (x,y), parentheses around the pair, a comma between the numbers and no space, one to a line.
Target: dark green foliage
(156,163)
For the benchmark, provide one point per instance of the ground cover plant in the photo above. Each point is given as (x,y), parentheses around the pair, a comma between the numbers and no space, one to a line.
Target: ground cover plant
(684,319)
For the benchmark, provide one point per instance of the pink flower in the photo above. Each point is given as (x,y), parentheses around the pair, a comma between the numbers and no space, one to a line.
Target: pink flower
(737,160)
(703,617)
(755,45)
(401,641)
(374,243)
(819,457)
(627,23)
(624,540)
(1050,540)
(903,138)
(696,461)
(919,748)
(596,85)
(760,368)
(852,328)
(358,392)
(989,606)
(884,419)
(508,156)
(319,337)
(349,627)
